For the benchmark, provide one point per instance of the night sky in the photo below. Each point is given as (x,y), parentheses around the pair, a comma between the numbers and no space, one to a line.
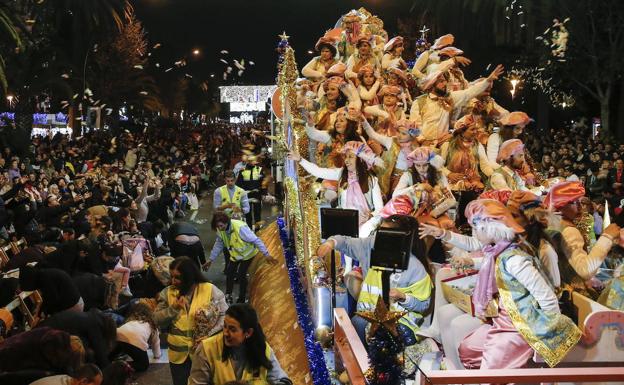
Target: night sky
(247,29)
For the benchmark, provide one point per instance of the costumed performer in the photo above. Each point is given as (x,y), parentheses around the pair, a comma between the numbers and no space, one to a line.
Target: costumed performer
(358,187)
(577,262)
(393,50)
(465,160)
(317,68)
(513,125)
(364,56)
(529,319)
(511,174)
(397,148)
(369,86)
(388,112)
(432,111)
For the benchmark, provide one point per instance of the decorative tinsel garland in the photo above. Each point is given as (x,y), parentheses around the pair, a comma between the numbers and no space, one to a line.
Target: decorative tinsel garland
(318,367)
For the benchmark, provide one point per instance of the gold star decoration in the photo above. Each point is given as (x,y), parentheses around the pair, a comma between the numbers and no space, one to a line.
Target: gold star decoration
(382,317)
(283,36)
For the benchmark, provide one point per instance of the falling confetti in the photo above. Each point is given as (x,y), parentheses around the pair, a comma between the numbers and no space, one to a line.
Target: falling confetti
(168,69)
(65,76)
(224,52)
(157,65)
(138,66)
(229,70)
(109,111)
(240,73)
(251,63)
(75,96)
(238,65)
(156,46)
(143,92)
(224,61)
(188,76)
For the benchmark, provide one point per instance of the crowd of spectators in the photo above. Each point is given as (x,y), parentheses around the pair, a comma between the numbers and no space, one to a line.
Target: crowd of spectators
(574,153)
(96,219)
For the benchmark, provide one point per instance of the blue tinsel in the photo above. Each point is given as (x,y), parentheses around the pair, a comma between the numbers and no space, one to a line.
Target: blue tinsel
(318,367)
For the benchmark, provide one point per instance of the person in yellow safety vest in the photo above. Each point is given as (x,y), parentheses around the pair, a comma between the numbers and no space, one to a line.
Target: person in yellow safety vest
(178,306)
(238,354)
(410,290)
(242,246)
(250,179)
(230,198)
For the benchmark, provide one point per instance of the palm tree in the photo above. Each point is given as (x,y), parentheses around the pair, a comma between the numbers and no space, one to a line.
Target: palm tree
(8,35)
(58,38)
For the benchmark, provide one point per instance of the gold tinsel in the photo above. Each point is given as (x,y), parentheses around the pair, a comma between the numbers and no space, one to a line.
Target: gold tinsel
(301,199)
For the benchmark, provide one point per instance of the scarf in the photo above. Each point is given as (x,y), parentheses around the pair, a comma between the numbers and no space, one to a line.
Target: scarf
(356,199)
(486,280)
(445,102)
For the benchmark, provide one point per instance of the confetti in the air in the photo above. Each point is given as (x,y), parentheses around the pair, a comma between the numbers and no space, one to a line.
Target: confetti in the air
(238,64)
(228,70)
(251,63)
(143,92)
(65,76)
(138,66)
(168,69)
(75,96)
(188,76)
(224,52)
(156,46)
(224,61)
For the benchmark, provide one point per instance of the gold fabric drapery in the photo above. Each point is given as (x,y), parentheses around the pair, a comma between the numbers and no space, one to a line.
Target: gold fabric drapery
(270,294)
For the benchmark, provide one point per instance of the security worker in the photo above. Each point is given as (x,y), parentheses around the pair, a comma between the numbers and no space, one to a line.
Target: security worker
(250,179)
(230,198)
(242,244)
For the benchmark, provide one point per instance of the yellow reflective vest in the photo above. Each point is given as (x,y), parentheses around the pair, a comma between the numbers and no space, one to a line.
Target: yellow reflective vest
(180,336)
(223,371)
(236,198)
(372,290)
(253,174)
(239,249)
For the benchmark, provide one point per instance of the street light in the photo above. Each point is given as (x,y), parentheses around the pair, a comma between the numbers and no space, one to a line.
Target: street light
(196,52)
(10,100)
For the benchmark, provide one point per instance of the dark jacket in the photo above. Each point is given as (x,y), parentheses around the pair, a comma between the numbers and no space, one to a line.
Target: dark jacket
(91,327)
(41,348)
(56,287)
